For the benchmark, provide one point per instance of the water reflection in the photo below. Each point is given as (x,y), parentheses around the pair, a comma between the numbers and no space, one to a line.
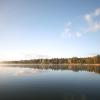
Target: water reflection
(88,68)
(27,72)
(59,82)
(19,71)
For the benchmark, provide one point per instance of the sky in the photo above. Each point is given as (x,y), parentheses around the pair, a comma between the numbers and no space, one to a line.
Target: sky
(49,28)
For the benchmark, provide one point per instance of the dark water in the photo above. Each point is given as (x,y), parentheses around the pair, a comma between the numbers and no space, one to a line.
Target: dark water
(29,82)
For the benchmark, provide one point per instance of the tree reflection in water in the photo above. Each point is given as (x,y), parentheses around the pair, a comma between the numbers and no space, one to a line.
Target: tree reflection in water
(76,68)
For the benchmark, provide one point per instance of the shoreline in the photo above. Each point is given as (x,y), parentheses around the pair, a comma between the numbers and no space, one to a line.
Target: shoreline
(54,64)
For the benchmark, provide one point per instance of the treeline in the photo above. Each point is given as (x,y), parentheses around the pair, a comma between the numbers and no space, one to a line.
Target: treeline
(73,60)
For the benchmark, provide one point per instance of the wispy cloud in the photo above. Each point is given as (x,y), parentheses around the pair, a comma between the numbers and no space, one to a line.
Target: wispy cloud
(93,21)
(78,34)
(92,24)
(97,12)
(69,31)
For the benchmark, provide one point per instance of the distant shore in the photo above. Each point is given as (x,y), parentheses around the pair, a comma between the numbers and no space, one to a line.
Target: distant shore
(52,64)
(74,61)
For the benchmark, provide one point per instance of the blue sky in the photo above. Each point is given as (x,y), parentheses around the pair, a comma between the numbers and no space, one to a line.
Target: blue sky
(49,28)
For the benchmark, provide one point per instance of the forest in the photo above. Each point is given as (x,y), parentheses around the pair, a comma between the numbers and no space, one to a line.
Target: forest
(73,60)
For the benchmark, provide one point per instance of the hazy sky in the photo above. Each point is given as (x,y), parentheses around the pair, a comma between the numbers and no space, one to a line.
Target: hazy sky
(49,28)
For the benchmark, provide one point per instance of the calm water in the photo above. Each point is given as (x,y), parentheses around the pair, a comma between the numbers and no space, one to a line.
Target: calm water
(29,82)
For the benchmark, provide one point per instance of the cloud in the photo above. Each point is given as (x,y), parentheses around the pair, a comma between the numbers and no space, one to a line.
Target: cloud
(95,27)
(92,24)
(78,34)
(97,12)
(93,21)
(88,18)
(69,31)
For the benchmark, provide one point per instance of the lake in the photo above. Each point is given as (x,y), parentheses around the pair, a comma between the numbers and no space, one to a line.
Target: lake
(49,82)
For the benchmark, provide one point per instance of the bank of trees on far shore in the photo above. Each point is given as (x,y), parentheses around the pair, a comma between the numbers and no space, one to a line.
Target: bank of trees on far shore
(73,60)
